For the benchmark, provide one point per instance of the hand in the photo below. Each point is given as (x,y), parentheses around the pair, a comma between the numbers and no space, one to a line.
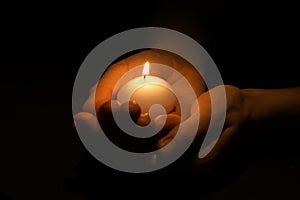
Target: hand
(236,115)
(102,93)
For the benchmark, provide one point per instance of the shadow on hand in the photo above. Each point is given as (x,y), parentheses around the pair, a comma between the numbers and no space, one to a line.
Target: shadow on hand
(180,180)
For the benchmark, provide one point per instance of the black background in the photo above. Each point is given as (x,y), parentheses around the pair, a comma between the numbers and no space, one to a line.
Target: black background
(254,44)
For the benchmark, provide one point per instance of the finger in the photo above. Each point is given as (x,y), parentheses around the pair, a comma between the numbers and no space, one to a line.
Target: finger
(171,135)
(109,109)
(143,119)
(133,108)
(186,132)
(89,106)
(92,104)
(172,120)
(219,147)
(203,107)
(168,138)
(102,95)
(86,121)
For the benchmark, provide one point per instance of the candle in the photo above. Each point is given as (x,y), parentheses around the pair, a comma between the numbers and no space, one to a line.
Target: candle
(148,90)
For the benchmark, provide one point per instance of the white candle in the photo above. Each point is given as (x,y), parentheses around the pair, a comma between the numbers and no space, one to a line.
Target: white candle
(148,90)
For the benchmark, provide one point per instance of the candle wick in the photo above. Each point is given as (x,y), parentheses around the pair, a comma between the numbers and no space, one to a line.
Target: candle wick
(144,76)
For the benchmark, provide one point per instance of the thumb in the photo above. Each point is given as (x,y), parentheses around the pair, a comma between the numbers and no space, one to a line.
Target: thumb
(133,108)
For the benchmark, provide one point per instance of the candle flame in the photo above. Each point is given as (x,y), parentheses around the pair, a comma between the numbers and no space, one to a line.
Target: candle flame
(146,69)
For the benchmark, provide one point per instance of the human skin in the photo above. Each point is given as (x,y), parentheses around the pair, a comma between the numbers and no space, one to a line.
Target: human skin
(105,87)
(116,71)
(245,107)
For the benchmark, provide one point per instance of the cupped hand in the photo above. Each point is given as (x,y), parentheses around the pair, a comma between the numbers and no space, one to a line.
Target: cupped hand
(102,94)
(236,117)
